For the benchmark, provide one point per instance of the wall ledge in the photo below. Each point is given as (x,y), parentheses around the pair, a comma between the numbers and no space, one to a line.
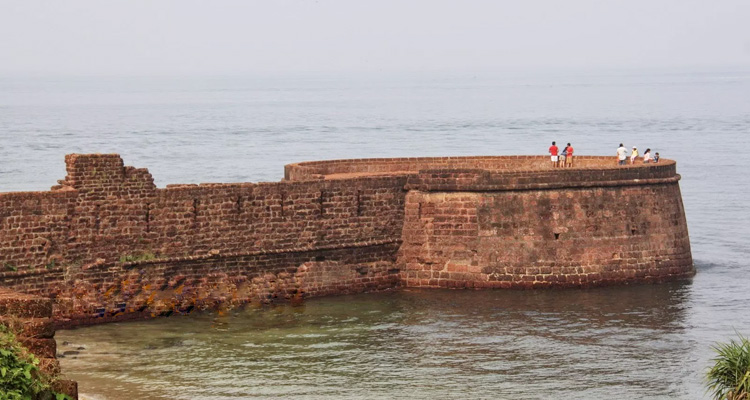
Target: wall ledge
(219,255)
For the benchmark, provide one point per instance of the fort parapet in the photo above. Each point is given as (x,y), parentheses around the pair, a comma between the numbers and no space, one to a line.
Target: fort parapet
(515,222)
(107,244)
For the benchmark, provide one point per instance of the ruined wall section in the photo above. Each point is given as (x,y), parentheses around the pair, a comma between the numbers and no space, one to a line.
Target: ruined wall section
(111,207)
(104,210)
(71,243)
(575,228)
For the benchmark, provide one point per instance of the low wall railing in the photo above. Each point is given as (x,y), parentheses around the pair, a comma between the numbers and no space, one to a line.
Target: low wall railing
(524,168)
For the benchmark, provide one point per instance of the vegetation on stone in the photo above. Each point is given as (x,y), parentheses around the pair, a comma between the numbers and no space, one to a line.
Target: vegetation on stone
(137,257)
(729,378)
(20,377)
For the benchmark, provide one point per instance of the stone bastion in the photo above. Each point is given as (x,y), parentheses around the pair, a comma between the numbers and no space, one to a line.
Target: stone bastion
(107,244)
(516,222)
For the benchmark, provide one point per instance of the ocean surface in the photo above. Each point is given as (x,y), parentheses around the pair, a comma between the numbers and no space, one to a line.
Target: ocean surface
(649,341)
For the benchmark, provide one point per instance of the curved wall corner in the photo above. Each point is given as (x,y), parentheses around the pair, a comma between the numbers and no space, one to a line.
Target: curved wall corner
(474,229)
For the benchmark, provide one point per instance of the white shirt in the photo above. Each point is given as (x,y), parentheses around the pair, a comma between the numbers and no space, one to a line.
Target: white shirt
(622,153)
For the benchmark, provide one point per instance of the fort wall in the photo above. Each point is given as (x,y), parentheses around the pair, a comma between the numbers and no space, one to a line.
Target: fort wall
(106,244)
(571,228)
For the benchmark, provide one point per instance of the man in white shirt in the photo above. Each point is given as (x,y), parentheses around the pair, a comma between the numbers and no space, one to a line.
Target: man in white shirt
(622,155)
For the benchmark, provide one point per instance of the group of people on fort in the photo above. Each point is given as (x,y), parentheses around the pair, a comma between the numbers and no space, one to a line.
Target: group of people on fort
(564,159)
(561,160)
(622,156)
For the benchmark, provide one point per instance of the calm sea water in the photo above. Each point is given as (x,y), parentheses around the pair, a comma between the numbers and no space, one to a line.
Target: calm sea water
(648,341)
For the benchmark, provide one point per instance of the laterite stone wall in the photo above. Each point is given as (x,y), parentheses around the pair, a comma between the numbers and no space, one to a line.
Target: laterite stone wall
(569,237)
(106,244)
(120,291)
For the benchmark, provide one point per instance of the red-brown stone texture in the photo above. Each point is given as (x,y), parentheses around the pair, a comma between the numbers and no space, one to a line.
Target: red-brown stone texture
(106,244)
(516,222)
(465,232)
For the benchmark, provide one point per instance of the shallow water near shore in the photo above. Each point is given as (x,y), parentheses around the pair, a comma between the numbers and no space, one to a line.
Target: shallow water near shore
(649,341)
(638,342)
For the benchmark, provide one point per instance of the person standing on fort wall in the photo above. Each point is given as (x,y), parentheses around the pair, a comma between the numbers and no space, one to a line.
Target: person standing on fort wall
(569,156)
(622,154)
(553,154)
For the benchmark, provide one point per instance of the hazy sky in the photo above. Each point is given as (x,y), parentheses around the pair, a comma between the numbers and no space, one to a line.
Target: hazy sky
(229,37)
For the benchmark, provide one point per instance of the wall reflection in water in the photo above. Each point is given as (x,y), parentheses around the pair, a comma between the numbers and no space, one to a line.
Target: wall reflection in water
(413,343)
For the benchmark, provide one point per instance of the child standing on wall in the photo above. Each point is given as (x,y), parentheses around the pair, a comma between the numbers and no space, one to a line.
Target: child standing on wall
(569,157)
(553,154)
(563,156)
